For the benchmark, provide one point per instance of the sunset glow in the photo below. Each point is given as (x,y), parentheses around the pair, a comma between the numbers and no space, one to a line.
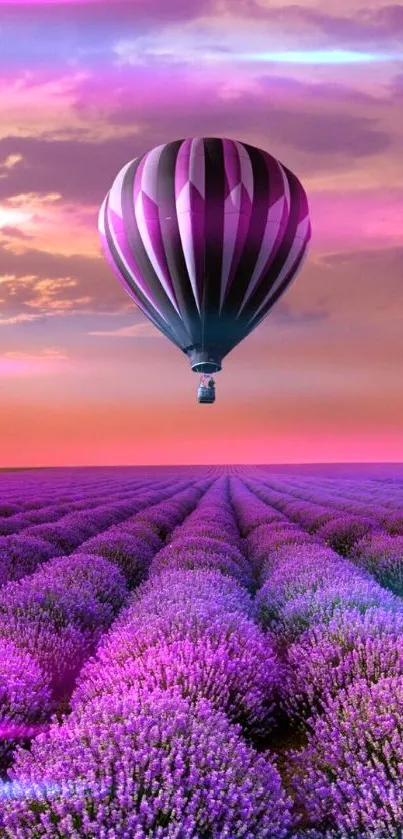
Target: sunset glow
(9,216)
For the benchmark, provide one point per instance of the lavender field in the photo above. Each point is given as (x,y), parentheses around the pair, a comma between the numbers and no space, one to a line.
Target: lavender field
(201,653)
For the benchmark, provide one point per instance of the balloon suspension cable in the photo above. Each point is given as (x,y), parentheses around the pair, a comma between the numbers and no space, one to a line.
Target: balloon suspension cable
(206,389)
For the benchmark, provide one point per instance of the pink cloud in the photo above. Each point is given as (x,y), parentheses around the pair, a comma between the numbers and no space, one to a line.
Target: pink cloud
(138,330)
(357,220)
(319,123)
(356,27)
(38,5)
(115,11)
(16,364)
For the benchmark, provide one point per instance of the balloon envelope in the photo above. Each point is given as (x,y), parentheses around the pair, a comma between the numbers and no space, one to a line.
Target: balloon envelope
(205,234)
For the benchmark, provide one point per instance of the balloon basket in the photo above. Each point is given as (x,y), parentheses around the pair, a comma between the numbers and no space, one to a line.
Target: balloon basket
(206,391)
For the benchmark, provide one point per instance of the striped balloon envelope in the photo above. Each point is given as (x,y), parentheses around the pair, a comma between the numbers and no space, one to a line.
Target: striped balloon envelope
(205,235)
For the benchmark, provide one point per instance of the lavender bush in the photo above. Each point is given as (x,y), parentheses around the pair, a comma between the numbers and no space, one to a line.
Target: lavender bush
(198,553)
(227,661)
(59,624)
(329,657)
(126,550)
(20,555)
(25,698)
(341,533)
(155,767)
(382,555)
(393,524)
(350,776)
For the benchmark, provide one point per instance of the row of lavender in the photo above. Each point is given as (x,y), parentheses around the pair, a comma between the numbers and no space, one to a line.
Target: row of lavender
(340,639)
(51,620)
(159,739)
(58,528)
(374,541)
(381,499)
(38,497)
(29,490)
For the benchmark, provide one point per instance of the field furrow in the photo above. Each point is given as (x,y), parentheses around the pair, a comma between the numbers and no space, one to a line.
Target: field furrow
(52,620)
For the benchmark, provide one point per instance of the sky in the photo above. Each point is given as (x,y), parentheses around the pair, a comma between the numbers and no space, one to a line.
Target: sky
(86,87)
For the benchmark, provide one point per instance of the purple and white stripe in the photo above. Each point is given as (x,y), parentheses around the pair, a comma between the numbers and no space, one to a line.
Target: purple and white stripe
(205,235)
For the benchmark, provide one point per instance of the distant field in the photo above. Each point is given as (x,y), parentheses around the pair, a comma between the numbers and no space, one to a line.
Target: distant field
(202,652)
(342,470)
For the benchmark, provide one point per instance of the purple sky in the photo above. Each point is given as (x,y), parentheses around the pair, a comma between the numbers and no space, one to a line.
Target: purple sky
(85,87)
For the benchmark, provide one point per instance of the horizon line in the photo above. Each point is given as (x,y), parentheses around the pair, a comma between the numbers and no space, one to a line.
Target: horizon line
(203,465)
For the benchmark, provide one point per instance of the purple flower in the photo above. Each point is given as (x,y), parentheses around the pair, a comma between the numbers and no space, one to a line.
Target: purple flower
(250,511)
(79,589)
(141,530)
(224,658)
(181,591)
(198,554)
(211,546)
(8,526)
(329,657)
(305,610)
(7,509)
(58,613)
(25,699)
(309,584)
(130,553)
(310,516)
(206,530)
(20,555)
(382,556)
(161,518)
(263,544)
(341,532)
(63,537)
(349,777)
(393,523)
(71,530)
(156,766)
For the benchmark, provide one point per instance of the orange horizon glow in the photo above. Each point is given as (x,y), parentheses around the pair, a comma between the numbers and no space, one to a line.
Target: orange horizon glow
(91,438)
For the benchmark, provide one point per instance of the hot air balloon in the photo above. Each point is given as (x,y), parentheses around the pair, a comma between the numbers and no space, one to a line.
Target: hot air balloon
(205,235)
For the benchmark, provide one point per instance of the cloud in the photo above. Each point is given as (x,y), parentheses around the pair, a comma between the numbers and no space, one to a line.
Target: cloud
(44,295)
(11,161)
(360,288)
(286,111)
(77,30)
(76,169)
(47,353)
(23,317)
(285,313)
(50,283)
(35,100)
(137,330)
(360,219)
(365,26)
(358,27)
(219,40)
(45,222)
(396,86)
(319,121)
(110,11)
(9,232)
(20,363)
